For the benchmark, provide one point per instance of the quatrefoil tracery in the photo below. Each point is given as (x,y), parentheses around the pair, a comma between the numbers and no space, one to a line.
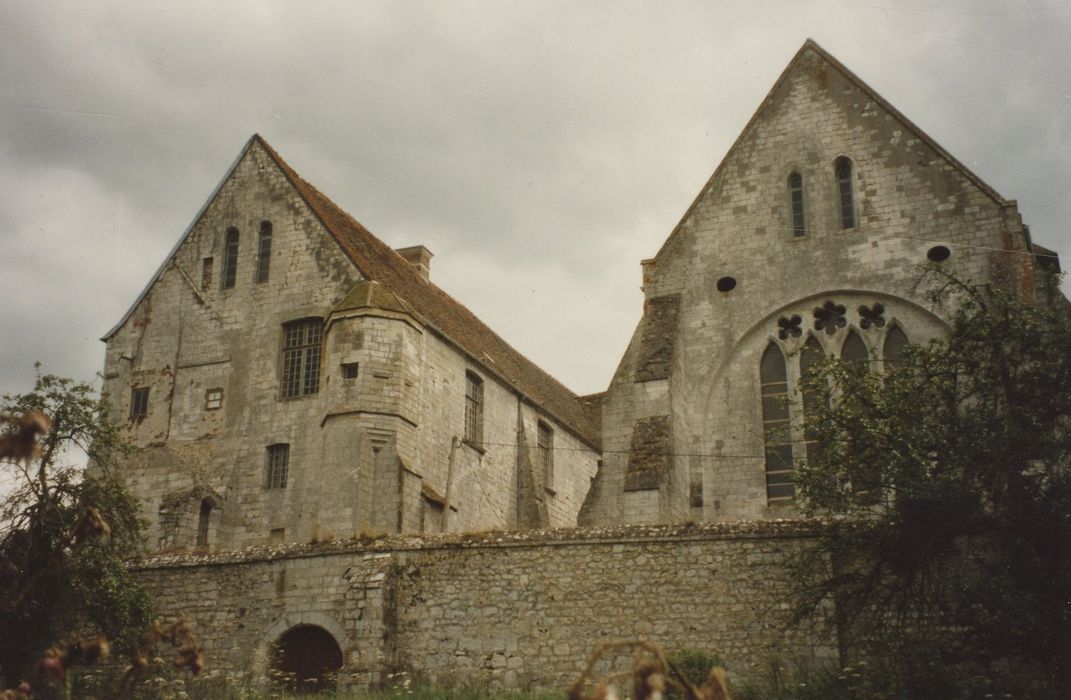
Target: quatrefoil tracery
(789,327)
(872,315)
(830,317)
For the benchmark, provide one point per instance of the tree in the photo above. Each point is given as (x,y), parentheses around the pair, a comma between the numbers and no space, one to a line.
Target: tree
(65,530)
(947,480)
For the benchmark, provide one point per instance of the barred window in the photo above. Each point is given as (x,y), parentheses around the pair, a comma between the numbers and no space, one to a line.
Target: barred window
(843,169)
(773,377)
(230,258)
(473,408)
(545,453)
(139,402)
(278,466)
(264,252)
(301,357)
(795,192)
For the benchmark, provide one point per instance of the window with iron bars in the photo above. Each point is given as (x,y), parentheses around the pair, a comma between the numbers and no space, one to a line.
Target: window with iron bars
(545,453)
(278,466)
(473,408)
(301,357)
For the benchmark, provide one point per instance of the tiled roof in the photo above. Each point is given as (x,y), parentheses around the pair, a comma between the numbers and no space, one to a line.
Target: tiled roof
(369,294)
(442,313)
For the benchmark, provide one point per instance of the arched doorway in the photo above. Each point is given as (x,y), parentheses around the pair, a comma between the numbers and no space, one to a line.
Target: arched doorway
(307,658)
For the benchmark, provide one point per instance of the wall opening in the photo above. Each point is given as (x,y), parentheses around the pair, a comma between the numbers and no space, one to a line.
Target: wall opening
(202,522)
(307,658)
(938,253)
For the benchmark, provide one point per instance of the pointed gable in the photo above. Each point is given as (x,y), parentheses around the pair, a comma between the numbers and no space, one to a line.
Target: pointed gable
(395,278)
(811,56)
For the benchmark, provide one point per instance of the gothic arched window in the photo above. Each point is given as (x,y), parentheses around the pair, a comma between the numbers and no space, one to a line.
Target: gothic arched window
(895,342)
(773,378)
(843,168)
(230,258)
(810,358)
(795,193)
(264,252)
(854,350)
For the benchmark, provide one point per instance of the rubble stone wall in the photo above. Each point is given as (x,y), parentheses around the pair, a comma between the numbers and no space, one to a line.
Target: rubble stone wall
(510,609)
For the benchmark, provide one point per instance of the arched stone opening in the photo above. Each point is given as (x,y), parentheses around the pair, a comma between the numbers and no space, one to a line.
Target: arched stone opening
(306,658)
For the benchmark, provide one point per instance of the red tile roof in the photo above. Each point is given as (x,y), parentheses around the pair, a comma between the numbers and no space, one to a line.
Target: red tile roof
(445,316)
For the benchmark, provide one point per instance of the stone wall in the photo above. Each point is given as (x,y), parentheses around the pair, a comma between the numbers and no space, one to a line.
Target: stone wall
(512,609)
(738,267)
(363,451)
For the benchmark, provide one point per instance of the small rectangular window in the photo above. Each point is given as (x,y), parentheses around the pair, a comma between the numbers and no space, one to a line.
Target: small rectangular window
(213,399)
(139,402)
(349,370)
(206,273)
(545,452)
(278,466)
(473,408)
(277,535)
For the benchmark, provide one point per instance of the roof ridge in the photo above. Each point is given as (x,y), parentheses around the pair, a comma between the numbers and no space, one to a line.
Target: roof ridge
(811,44)
(436,308)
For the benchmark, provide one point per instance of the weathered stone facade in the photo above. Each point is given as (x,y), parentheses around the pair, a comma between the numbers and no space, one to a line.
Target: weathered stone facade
(829,196)
(362,428)
(808,238)
(519,609)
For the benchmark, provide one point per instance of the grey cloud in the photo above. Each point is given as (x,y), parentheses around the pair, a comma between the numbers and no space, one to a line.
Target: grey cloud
(540,149)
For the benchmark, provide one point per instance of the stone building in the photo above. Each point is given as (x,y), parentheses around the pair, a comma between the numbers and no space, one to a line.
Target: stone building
(808,239)
(292,378)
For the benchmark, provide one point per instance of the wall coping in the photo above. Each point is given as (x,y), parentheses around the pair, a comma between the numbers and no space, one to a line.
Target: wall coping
(387,544)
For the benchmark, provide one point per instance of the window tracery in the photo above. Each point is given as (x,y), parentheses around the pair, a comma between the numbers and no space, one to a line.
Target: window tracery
(872,315)
(829,317)
(773,376)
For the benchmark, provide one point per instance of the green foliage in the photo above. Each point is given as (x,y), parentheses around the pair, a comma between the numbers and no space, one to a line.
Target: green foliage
(694,665)
(102,683)
(64,530)
(949,482)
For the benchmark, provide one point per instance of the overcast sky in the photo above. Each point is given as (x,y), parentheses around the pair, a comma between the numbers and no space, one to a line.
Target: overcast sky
(539,149)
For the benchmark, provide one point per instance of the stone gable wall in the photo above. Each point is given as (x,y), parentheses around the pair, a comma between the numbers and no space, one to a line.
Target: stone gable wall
(512,609)
(349,441)
(907,198)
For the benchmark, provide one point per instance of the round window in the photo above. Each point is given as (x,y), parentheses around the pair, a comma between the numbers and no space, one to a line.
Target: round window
(938,253)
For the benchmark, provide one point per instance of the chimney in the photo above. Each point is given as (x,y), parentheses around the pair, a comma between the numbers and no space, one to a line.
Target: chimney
(419,258)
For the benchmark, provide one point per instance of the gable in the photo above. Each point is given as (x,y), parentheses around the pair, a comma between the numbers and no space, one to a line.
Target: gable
(844,95)
(351,253)
(441,313)
(250,194)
